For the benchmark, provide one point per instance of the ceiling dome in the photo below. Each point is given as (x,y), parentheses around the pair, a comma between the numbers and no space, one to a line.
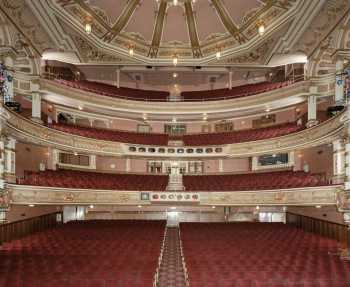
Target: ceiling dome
(188,29)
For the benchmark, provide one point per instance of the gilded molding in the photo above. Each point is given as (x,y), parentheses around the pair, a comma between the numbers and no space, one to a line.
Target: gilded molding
(22,194)
(29,131)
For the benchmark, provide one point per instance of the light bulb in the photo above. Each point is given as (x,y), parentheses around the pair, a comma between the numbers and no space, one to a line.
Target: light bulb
(218,55)
(88,28)
(175,60)
(131,52)
(261,29)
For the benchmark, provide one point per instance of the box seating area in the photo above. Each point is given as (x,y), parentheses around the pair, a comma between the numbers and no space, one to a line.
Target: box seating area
(113,91)
(161,96)
(260,255)
(95,180)
(253,181)
(188,140)
(85,254)
(235,92)
(113,135)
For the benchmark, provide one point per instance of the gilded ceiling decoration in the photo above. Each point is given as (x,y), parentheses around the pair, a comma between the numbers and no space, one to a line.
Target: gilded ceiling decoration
(162,29)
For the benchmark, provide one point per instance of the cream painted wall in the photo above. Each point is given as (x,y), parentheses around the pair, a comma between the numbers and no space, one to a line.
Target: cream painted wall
(106,163)
(29,157)
(236,165)
(320,159)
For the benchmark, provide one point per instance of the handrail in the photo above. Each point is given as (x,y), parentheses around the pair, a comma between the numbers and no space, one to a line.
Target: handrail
(160,258)
(184,267)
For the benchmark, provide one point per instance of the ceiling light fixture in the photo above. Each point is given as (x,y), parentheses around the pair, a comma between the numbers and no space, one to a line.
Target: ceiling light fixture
(175,2)
(88,28)
(261,28)
(175,60)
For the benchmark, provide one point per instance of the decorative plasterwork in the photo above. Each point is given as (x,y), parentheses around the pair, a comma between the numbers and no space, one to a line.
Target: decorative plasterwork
(21,194)
(240,39)
(227,21)
(158,29)
(123,19)
(28,131)
(21,16)
(192,29)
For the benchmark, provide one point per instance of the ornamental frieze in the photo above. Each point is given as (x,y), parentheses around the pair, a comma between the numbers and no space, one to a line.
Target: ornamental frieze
(49,195)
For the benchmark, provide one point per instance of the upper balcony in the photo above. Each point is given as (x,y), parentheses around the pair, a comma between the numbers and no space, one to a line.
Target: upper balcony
(216,104)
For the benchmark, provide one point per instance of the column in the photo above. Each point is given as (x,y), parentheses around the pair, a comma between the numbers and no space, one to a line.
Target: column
(312,108)
(339,82)
(4,198)
(338,161)
(118,78)
(36,102)
(10,160)
(347,165)
(221,165)
(127,165)
(230,73)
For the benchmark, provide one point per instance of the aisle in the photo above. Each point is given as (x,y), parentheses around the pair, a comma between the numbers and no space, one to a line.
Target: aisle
(171,273)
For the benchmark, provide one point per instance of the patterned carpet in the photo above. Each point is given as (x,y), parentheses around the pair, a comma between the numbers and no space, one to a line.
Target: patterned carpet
(171,273)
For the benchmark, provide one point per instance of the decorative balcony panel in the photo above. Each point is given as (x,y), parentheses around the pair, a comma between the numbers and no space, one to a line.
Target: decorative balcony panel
(20,194)
(29,131)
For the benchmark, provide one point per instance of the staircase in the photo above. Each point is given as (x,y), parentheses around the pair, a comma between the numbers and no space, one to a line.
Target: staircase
(171,271)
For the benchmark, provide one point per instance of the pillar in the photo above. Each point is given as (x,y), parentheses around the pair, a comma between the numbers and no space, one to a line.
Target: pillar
(221,165)
(230,74)
(127,165)
(312,108)
(36,102)
(4,198)
(338,161)
(10,160)
(118,78)
(339,83)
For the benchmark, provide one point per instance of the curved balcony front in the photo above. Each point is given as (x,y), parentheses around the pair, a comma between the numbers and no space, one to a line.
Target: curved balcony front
(29,131)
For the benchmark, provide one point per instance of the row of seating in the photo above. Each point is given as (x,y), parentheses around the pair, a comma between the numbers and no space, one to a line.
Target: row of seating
(260,255)
(95,180)
(254,181)
(161,96)
(226,182)
(85,254)
(113,135)
(188,140)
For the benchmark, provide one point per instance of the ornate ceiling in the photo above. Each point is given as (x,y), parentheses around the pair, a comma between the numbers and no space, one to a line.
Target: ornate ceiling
(162,29)
(157,30)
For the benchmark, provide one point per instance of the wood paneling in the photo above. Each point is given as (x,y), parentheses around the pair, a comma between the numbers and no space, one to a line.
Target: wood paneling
(339,232)
(18,229)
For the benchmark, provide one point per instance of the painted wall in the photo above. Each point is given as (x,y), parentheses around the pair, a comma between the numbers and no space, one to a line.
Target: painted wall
(29,157)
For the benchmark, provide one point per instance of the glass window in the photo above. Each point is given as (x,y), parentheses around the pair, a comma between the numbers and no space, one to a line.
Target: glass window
(273,159)
(175,129)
